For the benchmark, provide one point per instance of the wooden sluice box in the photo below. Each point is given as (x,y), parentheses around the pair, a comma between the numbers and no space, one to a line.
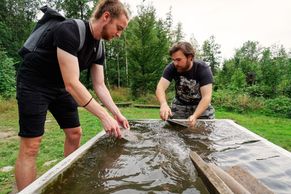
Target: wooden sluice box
(158,157)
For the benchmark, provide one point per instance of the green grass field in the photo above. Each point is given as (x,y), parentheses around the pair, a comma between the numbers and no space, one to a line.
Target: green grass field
(276,130)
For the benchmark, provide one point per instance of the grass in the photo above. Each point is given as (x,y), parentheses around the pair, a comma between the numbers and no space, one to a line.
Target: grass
(276,130)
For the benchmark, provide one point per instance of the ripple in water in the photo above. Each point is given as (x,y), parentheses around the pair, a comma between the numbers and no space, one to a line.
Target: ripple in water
(153,157)
(150,159)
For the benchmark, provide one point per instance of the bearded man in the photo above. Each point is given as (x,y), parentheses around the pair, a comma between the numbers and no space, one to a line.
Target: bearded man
(193,85)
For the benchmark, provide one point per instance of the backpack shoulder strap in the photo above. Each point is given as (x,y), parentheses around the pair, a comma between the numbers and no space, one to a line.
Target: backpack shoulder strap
(82,32)
(100,50)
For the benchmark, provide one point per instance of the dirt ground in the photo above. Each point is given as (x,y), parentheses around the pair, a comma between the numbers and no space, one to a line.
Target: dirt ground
(7,134)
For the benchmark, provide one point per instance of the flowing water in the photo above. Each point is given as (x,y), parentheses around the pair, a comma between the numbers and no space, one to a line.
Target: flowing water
(153,157)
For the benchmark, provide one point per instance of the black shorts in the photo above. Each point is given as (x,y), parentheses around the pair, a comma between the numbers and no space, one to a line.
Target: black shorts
(33,103)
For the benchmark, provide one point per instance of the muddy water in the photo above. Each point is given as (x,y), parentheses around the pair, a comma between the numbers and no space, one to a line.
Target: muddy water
(154,158)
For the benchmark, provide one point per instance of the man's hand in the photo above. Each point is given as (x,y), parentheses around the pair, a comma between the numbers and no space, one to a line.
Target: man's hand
(111,126)
(122,121)
(165,111)
(192,120)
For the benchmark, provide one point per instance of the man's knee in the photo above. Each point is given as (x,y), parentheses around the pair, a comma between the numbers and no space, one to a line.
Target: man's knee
(29,146)
(73,134)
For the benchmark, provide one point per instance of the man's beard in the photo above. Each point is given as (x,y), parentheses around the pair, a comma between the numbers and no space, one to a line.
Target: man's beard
(185,68)
(105,35)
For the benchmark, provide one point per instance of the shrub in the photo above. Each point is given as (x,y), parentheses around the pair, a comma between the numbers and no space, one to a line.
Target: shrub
(7,76)
(147,99)
(6,105)
(233,101)
(260,91)
(121,94)
(279,106)
(287,91)
(285,87)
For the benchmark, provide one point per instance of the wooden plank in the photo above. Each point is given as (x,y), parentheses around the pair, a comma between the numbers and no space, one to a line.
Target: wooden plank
(248,181)
(123,104)
(146,106)
(234,186)
(213,183)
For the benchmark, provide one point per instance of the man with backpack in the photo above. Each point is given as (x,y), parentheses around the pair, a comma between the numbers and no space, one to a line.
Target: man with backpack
(48,79)
(193,84)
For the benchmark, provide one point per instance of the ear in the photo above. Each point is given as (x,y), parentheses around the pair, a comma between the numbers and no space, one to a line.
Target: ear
(190,57)
(106,16)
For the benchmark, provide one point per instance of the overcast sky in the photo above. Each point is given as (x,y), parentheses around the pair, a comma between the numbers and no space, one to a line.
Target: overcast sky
(232,22)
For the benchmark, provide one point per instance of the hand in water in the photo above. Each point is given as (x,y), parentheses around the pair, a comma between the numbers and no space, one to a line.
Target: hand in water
(192,121)
(111,126)
(165,112)
(122,121)
(128,135)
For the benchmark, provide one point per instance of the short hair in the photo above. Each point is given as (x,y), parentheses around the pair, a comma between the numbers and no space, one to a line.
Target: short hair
(114,7)
(186,48)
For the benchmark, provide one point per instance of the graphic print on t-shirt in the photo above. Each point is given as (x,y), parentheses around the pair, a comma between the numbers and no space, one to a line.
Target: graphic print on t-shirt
(188,90)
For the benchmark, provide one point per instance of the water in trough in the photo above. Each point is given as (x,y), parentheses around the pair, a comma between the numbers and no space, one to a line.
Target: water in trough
(154,158)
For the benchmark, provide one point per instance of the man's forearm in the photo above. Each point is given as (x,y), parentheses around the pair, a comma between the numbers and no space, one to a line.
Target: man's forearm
(79,92)
(161,97)
(83,97)
(105,97)
(201,107)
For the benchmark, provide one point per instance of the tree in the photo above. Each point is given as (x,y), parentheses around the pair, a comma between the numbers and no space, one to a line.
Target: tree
(168,24)
(286,83)
(237,81)
(169,20)
(247,57)
(259,71)
(76,9)
(195,44)
(178,32)
(274,67)
(244,62)
(148,50)
(17,20)
(116,65)
(211,54)
(230,76)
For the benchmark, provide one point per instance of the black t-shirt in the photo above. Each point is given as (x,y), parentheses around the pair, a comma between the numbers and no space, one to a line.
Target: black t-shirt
(187,84)
(44,69)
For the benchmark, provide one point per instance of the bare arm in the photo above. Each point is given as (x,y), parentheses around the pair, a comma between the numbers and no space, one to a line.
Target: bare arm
(165,110)
(206,93)
(70,72)
(97,75)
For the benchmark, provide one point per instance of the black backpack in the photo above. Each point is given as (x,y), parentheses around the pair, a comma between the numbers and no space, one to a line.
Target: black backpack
(50,18)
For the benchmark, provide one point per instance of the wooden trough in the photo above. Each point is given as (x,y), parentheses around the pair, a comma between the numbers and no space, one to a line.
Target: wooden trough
(234,179)
(39,184)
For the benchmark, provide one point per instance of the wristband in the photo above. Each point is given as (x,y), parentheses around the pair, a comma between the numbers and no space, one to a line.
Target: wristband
(88,102)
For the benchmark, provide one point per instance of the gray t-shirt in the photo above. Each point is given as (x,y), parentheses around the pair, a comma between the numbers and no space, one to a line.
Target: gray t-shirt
(187,84)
